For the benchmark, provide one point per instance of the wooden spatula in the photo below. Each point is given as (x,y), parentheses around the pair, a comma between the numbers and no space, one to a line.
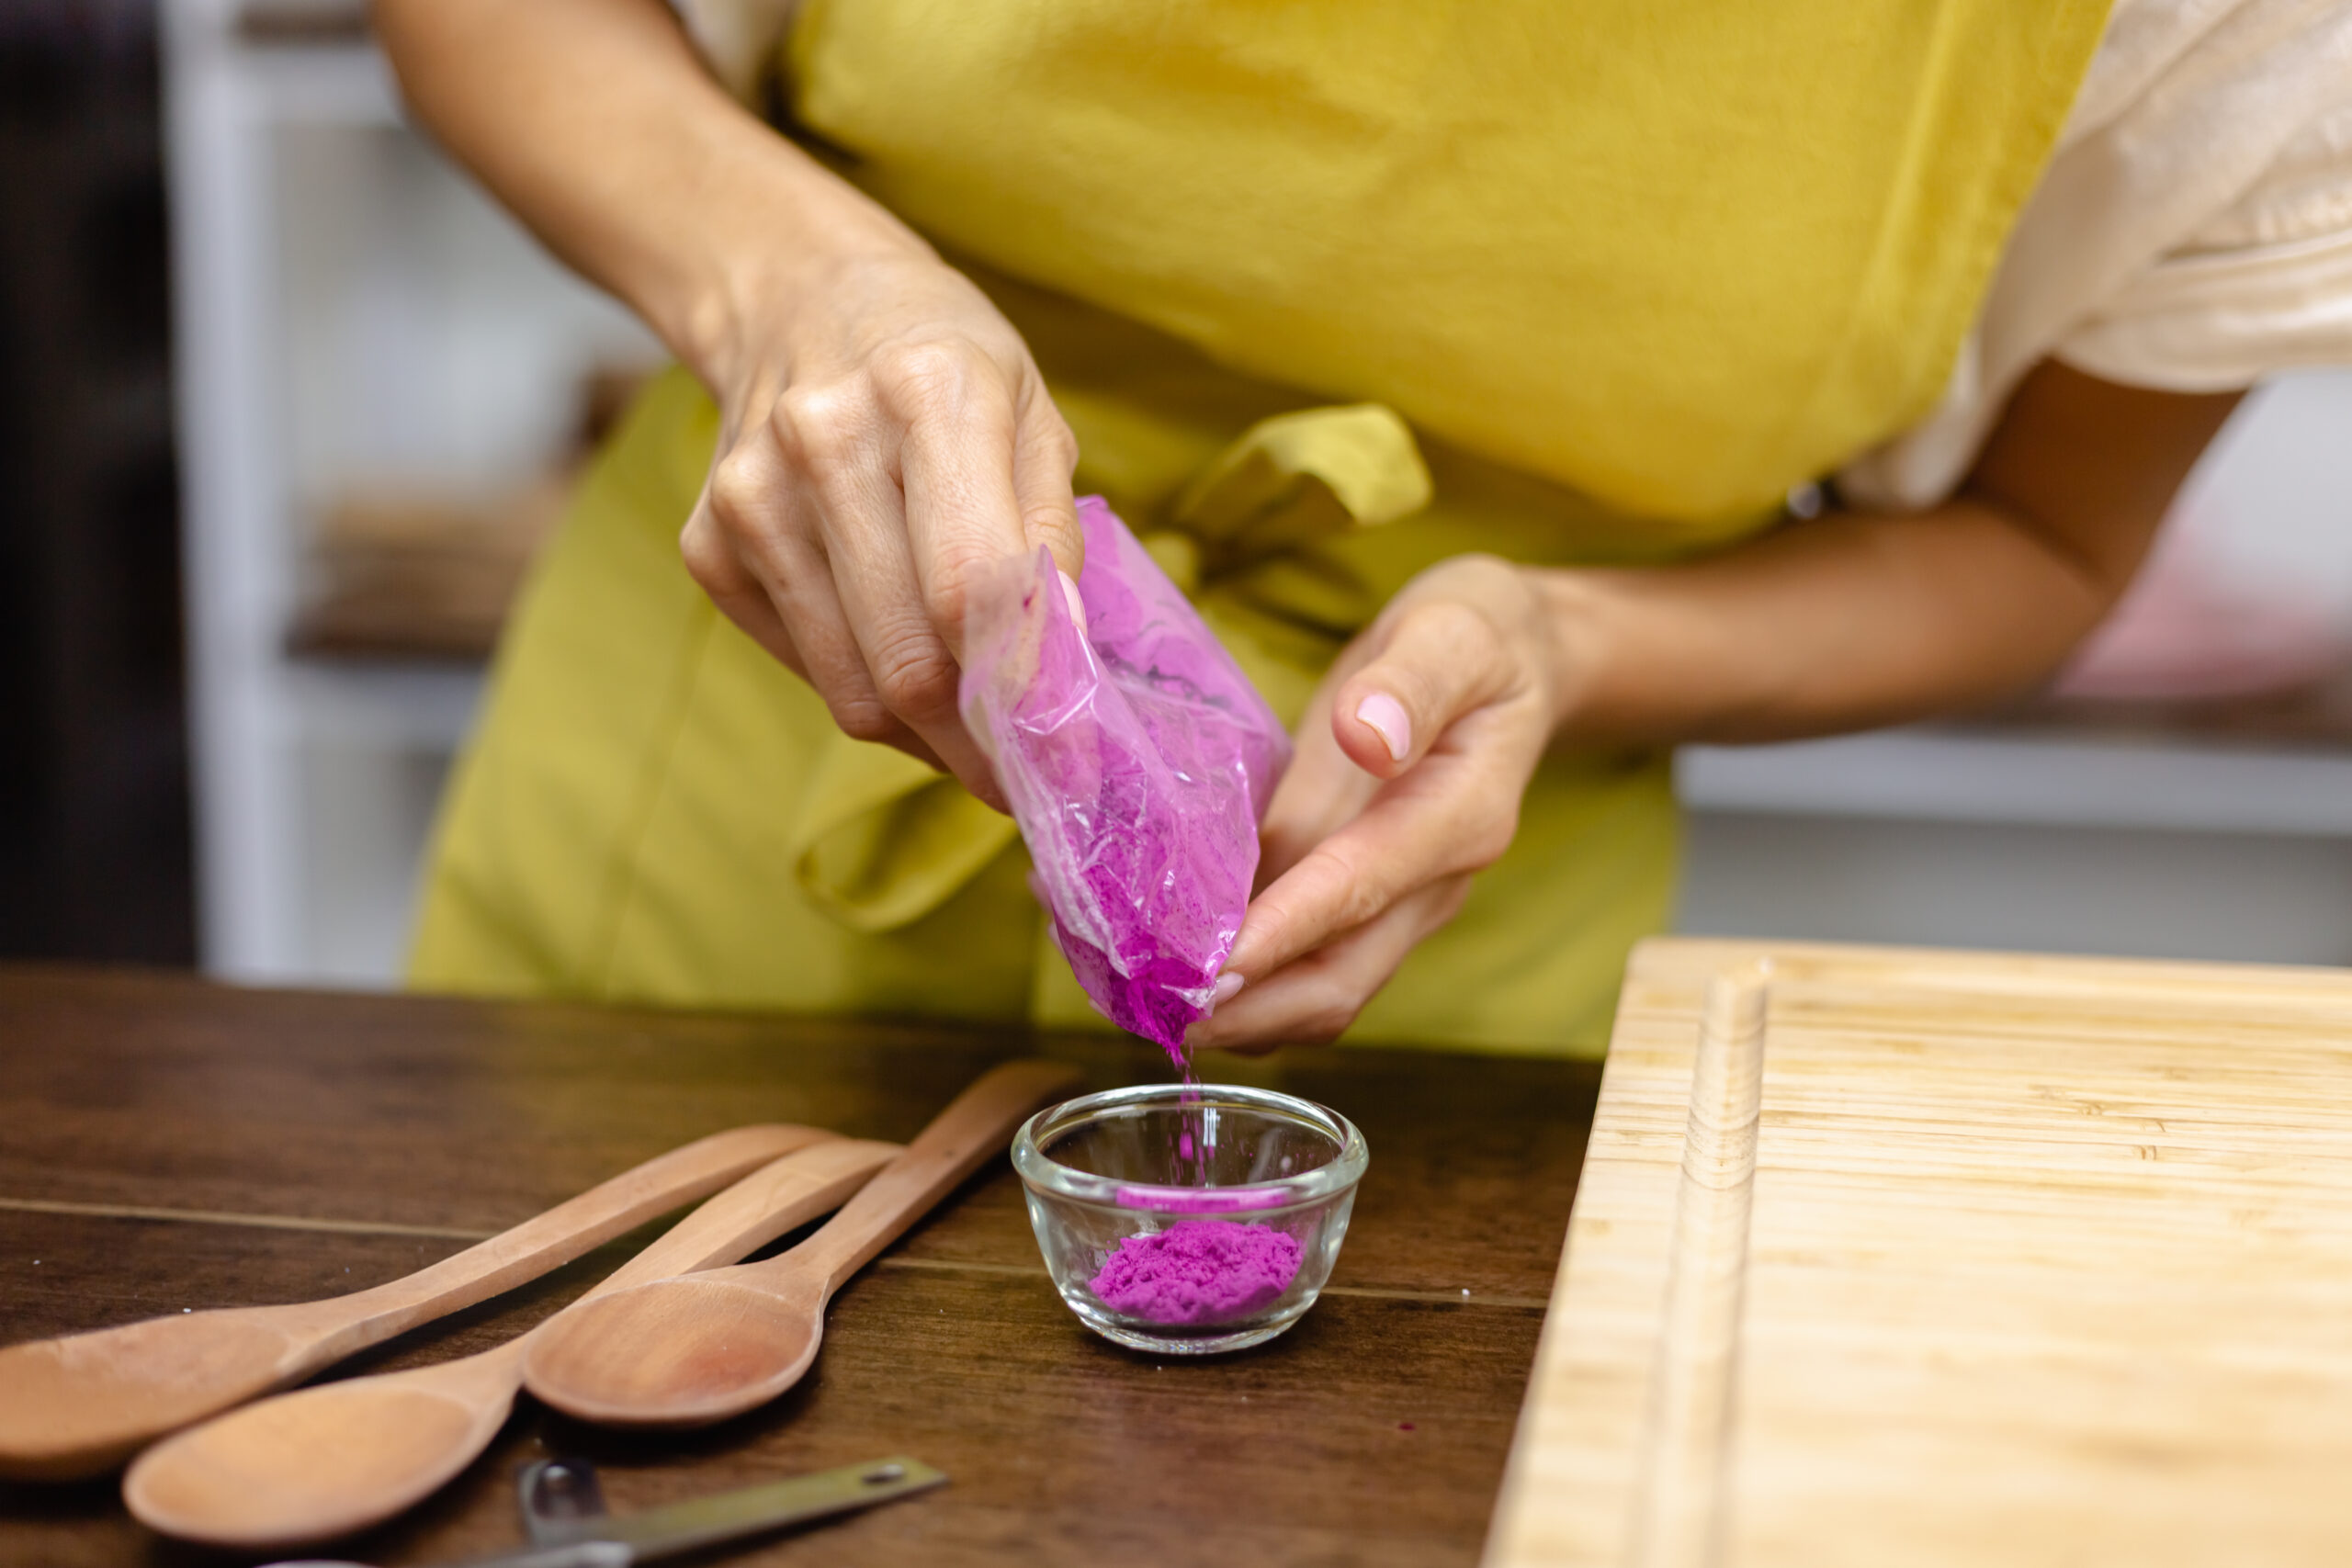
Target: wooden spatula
(81,1405)
(324,1462)
(687,1352)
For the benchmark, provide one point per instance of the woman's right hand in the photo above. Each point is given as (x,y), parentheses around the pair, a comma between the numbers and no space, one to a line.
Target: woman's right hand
(884,439)
(884,435)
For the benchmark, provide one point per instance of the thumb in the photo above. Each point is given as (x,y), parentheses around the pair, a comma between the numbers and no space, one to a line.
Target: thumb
(1435,663)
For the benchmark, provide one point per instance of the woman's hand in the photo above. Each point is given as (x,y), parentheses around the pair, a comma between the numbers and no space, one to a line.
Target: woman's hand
(885,437)
(1838,623)
(1411,763)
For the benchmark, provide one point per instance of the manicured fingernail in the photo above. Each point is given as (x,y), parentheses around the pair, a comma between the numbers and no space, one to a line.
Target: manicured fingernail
(1077,605)
(1228,987)
(1387,717)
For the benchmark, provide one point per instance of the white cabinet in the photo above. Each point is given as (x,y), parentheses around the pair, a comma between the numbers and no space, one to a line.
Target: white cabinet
(353,319)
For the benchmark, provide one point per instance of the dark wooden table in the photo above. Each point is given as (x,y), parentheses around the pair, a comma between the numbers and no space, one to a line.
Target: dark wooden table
(166,1144)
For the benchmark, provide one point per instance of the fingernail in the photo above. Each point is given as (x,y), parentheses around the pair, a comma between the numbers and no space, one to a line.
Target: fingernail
(1389,719)
(1077,605)
(1228,987)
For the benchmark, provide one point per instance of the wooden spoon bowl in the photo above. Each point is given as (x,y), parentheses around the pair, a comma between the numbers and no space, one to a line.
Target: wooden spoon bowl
(290,1470)
(324,1462)
(688,1352)
(685,1353)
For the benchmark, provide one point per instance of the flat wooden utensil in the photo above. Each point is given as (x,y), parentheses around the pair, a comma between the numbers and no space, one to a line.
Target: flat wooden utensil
(1946,1259)
(688,1352)
(80,1406)
(324,1462)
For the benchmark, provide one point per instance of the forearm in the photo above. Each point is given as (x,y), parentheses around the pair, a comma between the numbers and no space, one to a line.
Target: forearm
(1844,623)
(1853,621)
(593,122)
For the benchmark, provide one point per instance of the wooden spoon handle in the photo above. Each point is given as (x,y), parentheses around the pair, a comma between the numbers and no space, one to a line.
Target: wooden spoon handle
(551,1240)
(780,1195)
(976,1125)
(771,1201)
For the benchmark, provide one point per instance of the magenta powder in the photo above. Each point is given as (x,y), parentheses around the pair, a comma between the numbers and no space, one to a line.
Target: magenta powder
(1197,1271)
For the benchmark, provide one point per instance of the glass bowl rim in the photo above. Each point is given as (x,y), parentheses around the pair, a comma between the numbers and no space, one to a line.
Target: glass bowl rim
(1040,1170)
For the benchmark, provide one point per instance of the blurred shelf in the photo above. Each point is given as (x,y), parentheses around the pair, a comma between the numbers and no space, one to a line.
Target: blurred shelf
(2032,776)
(302,21)
(288,63)
(2316,717)
(391,705)
(420,578)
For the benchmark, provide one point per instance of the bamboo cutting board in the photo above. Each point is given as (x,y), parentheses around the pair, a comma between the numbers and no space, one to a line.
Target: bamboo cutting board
(1883,1256)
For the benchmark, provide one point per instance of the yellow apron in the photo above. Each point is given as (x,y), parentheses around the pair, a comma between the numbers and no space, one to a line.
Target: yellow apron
(1328,289)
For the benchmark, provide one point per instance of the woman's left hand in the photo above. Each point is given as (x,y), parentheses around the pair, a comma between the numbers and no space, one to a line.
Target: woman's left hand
(1411,763)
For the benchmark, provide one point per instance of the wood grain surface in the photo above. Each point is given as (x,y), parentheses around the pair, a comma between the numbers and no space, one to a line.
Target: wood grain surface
(2046,1261)
(174,1145)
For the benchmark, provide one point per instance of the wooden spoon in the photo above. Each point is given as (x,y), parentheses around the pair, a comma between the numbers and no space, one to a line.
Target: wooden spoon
(81,1405)
(688,1352)
(326,1461)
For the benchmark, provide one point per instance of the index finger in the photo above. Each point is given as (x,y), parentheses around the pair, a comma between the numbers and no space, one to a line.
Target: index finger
(978,488)
(1440,819)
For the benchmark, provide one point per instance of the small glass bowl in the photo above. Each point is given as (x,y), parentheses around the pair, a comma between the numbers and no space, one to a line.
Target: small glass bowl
(1133,1165)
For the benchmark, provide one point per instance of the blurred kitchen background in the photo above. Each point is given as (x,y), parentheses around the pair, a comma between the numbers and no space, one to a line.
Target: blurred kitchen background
(285,405)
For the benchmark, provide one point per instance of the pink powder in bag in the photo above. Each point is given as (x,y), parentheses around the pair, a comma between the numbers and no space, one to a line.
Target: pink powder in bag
(1137,758)
(1197,1271)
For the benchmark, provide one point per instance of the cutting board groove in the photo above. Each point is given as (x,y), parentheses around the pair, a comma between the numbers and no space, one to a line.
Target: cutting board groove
(1680,1517)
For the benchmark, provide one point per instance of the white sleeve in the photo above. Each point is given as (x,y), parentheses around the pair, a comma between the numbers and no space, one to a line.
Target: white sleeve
(736,38)
(2192,234)
(2267,286)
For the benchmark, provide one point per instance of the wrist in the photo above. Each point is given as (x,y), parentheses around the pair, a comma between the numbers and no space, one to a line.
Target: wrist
(780,232)
(1578,622)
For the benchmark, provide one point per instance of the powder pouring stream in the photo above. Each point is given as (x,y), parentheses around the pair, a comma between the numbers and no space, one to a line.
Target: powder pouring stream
(1197,1271)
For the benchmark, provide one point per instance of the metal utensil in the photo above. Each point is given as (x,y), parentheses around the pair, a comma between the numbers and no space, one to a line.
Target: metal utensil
(558,1499)
(617,1542)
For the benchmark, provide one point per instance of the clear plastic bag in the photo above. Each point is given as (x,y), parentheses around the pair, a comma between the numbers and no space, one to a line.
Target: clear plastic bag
(1137,758)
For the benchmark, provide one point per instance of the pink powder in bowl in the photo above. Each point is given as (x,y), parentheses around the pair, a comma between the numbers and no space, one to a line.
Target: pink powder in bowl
(1197,1271)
